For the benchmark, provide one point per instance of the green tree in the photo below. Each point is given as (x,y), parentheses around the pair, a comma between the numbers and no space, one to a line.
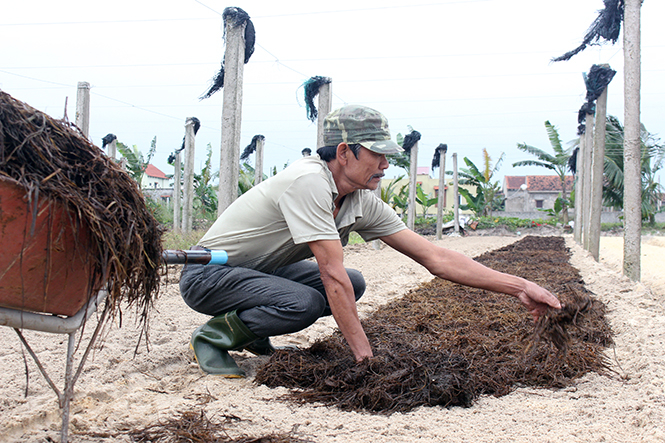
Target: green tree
(487,192)
(653,156)
(557,162)
(136,164)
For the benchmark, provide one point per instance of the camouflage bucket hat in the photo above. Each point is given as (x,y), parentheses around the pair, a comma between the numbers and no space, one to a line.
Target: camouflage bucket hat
(359,124)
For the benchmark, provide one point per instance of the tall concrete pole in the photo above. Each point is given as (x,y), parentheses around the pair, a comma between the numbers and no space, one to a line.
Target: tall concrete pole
(258,157)
(188,194)
(325,104)
(580,171)
(177,196)
(442,195)
(597,171)
(83,108)
(456,193)
(229,167)
(112,149)
(586,216)
(413,173)
(632,154)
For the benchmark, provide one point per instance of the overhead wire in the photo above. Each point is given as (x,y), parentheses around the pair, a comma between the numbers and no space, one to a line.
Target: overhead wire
(275,58)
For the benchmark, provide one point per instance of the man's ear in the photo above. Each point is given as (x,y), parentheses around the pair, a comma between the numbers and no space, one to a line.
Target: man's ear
(343,151)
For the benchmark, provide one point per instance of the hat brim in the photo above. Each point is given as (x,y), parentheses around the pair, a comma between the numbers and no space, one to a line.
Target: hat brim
(383,147)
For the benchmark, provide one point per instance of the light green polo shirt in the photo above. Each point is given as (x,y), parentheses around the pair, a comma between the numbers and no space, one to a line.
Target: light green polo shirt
(269,226)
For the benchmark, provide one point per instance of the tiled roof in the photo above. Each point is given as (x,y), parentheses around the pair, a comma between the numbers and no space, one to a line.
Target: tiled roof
(513,182)
(153,171)
(535,183)
(547,183)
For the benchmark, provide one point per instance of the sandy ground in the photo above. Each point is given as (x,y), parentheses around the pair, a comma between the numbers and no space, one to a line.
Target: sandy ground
(118,391)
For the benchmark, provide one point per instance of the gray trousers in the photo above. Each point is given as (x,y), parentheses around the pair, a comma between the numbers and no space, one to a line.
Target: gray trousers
(286,301)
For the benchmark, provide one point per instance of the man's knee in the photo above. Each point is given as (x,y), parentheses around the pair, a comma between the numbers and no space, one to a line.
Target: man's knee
(310,305)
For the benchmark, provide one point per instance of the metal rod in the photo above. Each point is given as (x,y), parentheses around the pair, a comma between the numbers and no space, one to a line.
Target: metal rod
(47,322)
(39,365)
(200,257)
(68,392)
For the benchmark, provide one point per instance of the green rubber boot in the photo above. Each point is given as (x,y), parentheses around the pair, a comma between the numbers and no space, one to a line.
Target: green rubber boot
(262,346)
(212,341)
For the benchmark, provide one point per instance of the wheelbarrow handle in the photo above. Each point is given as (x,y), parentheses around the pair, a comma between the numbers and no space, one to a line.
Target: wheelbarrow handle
(200,257)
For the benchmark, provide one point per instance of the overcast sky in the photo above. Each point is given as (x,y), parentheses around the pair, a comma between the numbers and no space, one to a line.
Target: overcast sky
(472,74)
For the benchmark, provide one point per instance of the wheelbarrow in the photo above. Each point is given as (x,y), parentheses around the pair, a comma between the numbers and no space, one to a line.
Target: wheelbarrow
(46,280)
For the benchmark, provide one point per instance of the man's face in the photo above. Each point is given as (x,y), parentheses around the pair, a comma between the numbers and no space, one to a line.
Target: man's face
(366,171)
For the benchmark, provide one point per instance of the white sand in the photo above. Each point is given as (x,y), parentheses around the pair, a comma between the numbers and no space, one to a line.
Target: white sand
(118,391)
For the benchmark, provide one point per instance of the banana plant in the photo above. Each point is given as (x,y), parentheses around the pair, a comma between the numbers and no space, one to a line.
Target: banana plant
(388,192)
(136,164)
(424,200)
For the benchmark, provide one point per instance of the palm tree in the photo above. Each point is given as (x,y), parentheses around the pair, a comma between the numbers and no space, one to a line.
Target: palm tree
(557,162)
(486,198)
(653,156)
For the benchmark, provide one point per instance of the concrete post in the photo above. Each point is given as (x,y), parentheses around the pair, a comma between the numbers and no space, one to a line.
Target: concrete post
(177,196)
(580,171)
(456,193)
(413,173)
(597,170)
(229,165)
(632,194)
(258,156)
(83,108)
(325,104)
(188,194)
(586,216)
(442,194)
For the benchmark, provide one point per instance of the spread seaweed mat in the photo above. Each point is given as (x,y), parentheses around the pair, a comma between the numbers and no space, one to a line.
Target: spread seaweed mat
(446,344)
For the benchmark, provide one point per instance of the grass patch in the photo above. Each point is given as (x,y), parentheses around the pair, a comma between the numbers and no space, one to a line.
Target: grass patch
(172,240)
(355,238)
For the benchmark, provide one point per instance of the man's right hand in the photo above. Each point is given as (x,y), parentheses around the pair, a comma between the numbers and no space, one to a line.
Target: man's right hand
(339,291)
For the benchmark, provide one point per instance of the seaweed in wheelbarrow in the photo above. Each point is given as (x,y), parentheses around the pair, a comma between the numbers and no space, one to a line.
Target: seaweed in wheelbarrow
(50,159)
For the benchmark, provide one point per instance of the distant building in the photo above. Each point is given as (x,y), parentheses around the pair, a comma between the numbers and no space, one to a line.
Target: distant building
(153,178)
(533,192)
(156,184)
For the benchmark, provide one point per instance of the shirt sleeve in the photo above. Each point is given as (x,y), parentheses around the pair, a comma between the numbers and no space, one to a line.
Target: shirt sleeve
(379,219)
(307,206)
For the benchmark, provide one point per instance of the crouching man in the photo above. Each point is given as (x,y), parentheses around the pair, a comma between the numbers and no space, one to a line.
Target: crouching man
(269,288)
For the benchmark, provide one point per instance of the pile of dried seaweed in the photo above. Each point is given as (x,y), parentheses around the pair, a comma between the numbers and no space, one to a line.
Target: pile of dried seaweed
(446,344)
(50,158)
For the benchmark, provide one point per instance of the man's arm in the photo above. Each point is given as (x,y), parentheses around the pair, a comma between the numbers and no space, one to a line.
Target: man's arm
(458,268)
(330,258)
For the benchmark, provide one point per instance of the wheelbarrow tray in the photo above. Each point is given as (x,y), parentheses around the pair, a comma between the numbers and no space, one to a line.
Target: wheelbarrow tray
(45,265)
